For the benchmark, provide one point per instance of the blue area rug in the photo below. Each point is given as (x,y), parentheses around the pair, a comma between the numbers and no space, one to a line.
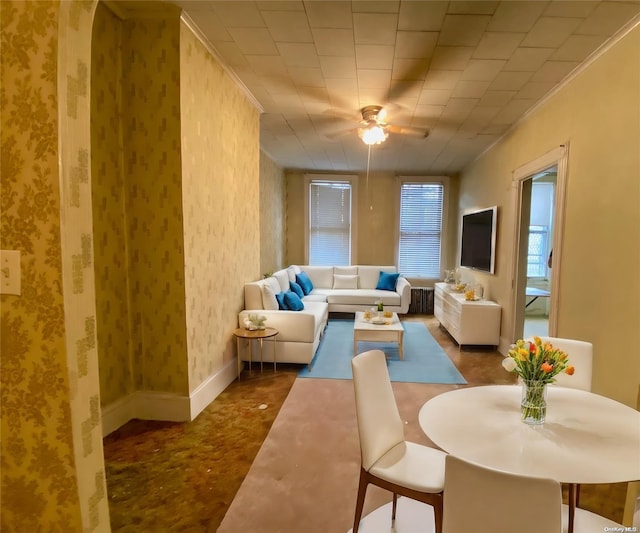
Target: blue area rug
(424,361)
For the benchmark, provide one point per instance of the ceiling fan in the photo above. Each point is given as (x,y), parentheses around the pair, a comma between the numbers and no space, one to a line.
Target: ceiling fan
(373,129)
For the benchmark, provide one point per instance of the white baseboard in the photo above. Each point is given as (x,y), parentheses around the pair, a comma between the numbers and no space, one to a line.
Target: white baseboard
(209,389)
(148,405)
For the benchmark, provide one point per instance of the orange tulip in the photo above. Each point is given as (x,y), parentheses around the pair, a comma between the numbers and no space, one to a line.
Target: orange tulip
(569,370)
(546,367)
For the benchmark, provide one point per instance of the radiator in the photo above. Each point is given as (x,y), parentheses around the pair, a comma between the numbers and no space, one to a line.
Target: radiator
(421,300)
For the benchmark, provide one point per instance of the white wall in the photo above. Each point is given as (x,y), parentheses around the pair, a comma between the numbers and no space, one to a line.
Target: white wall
(598,114)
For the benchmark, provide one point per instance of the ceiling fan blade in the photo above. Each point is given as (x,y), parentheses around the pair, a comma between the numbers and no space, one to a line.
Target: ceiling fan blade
(339,134)
(407,130)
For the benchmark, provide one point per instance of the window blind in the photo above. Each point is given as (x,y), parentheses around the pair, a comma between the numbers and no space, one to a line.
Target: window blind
(329,223)
(419,248)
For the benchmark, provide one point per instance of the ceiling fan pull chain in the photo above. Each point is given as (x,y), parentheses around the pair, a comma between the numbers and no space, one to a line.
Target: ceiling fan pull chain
(368,194)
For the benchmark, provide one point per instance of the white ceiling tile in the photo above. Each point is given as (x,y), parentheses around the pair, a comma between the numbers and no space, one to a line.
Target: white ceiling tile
(496,98)
(231,53)
(516,16)
(333,42)
(267,65)
(280,5)
(422,16)
(371,96)
(409,69)
(315,95)
(374,79)
(442,79)
(451,57)
(513,111)
(415,44)
(254,41)
(578,47)
(608,17)
(338,85)
(528,59)
(306,77)
(474,7)
(402,90)
(375,6)
(329,14)
(279,85)
(550,32)
(576,8)
(338,67)
(535,90)
(288,26)
(482,69)
(434,97)
(373,28)
(426,115)
(298,54)
(374,56)
(463,30)
(210,25)
(470,89)
(510,81)
(497,45)
(554,71)
(239,14)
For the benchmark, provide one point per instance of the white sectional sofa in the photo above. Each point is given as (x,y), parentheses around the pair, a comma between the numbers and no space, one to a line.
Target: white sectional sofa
(335,289)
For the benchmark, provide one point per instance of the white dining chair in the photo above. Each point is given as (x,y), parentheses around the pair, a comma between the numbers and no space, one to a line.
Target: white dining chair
(483,500)
(388,460)
(580,355)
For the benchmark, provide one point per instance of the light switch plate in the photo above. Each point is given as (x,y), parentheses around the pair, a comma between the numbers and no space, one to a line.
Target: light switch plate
(10,272)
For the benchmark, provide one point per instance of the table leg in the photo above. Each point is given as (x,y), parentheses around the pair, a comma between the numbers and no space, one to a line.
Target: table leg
(261,355)
(239,358)
(274,355)
(572,506)
(400,348)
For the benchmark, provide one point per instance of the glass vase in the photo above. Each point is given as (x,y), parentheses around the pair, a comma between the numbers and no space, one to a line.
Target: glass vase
(533,407)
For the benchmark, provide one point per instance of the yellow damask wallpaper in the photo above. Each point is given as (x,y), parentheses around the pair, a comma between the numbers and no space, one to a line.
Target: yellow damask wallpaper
(39,489)
(151,126)
(220,168)
(272,213)
(109,217)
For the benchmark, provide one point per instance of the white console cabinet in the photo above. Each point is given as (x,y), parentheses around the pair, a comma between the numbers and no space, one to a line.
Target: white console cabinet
(467,322)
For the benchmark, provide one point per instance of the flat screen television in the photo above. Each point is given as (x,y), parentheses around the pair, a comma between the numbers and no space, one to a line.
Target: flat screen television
(479,239)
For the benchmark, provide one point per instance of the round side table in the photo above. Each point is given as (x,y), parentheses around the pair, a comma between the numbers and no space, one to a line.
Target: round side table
(259,335)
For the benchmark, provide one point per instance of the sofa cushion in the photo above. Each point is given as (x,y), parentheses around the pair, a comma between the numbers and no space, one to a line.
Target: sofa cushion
(363,297)
(341,281)
(283,280)
(269,300)
(387,281)
(320,276)
(369,275)
(292,271)
(346,271)
(293,301)
(296,288)
(282,304)
(303,280)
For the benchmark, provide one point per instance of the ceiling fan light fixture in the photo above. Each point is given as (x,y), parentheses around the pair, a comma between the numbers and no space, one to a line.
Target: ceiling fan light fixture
(374,134)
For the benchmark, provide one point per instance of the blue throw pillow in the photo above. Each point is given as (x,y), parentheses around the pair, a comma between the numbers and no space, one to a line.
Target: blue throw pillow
(387,281)
(304,282)
(293,301)
(282,304)
(296,288)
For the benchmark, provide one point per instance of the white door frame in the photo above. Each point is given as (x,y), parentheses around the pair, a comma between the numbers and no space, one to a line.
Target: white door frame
(556,157)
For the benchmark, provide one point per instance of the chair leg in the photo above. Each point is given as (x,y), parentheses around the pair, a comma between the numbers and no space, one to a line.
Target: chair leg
(362,491)
(393,508)
(437,512)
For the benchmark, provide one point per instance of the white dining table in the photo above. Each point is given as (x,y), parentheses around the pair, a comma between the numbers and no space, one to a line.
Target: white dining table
(586,438)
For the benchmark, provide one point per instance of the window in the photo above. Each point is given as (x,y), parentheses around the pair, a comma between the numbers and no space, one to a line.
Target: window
(542,198)
(537,254)
(330,225)
(419,248)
